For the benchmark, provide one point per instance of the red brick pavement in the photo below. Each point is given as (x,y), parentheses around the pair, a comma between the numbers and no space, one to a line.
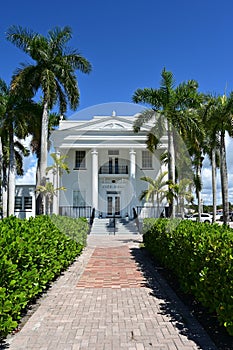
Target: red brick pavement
(111,268)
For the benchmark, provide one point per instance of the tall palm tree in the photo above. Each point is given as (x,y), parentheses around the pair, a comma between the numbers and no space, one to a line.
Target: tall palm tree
(53,72)
(171,110)
(212,144)
(15,111)
(156,190)
(222,119)
(2,190)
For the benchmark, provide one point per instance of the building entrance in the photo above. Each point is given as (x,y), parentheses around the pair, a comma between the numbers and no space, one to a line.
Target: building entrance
(113,203)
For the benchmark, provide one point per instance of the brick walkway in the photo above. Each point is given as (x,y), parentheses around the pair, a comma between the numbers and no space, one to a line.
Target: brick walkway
(111,298)
(111,268)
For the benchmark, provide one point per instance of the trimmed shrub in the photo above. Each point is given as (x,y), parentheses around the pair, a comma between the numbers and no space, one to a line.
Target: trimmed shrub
(33,252)
(201,256)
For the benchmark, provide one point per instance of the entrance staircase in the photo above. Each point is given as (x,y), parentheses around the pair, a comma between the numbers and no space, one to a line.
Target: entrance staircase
(105,227)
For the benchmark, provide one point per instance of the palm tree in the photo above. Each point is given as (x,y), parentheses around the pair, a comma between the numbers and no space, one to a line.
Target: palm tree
(156,191)
(172,109)
(184,193)
(35,131)
(15,111)
(57,168)
(53,73)
(48,191)
(2,199)
(222,119)
(212,144)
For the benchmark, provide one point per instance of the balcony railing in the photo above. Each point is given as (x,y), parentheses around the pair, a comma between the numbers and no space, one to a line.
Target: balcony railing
(75,212)
(117,169)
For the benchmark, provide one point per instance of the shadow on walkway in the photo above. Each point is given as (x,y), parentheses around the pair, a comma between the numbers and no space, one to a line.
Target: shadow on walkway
(170,304)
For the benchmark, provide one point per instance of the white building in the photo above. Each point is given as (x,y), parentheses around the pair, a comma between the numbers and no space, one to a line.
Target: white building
(25,201)
(106,161)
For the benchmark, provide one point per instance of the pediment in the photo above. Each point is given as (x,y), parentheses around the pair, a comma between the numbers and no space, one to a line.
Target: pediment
(104,123)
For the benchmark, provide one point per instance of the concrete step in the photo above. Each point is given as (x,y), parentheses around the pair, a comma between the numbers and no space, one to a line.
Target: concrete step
(105,226)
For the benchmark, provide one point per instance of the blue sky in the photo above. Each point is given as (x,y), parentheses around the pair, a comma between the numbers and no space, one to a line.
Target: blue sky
(129,42)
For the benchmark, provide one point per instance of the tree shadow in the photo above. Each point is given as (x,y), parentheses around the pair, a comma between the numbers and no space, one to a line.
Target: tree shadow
(171,305)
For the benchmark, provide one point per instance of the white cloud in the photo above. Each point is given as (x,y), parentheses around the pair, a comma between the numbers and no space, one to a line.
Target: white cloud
(29,167)
(29,177)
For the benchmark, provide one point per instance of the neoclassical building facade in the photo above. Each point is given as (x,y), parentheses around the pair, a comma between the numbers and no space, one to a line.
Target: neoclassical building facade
(107,161)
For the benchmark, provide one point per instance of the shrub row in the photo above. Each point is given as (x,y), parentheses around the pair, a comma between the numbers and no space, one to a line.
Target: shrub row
(201,257)
(76,229)
(33,252)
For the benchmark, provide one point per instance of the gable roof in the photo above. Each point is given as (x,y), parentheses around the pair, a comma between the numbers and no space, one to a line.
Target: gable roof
(124,123)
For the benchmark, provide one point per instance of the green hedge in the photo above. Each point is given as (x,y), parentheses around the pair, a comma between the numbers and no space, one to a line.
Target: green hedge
(33,252)
(76,229)
(201,256)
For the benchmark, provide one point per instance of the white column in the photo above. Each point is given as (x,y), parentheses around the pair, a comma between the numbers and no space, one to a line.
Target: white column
(132,154)
(94,154)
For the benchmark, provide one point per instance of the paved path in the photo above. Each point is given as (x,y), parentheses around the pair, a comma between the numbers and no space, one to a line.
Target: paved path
(111,298)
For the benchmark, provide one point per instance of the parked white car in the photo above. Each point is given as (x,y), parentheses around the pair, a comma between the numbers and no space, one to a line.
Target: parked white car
(205,217)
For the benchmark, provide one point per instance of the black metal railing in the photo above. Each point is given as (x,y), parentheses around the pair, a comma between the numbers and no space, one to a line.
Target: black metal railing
(92,216)
(135,217)
(116,169)
(75,212)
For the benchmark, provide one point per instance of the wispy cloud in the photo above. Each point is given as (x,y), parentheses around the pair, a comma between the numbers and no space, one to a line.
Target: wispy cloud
(29,166)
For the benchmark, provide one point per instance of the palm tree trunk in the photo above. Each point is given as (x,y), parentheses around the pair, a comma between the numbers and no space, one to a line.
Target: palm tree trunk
(4,196)
(44,146)
(198,189)
(158,205)
(42,164)
(171,167)
(11,175)
(182,207)
(213,165)
(3,193)
(224,178)
(1,177)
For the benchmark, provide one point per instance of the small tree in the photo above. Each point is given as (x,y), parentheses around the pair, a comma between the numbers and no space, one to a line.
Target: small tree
(57,169)
(48,191)
(184,193)
(156,190)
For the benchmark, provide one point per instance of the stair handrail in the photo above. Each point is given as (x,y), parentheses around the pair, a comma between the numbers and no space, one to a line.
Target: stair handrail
(135,216)
(92,217)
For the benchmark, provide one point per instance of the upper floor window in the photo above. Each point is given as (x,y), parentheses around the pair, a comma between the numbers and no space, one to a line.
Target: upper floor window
(80,160)
(146,160)
(113,152)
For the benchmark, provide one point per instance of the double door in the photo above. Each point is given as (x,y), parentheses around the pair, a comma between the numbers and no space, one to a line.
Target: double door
(113,202)
(113,166)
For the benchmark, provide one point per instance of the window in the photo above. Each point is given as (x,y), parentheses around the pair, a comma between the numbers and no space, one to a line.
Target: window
(27,202)
(146,160)
(113,152)
(23,203)
(19,203)
(79,198)
(80,161)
